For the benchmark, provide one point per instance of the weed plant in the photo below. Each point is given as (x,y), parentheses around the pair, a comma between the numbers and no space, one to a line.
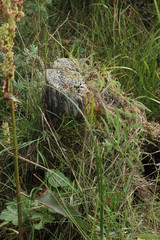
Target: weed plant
(97,162)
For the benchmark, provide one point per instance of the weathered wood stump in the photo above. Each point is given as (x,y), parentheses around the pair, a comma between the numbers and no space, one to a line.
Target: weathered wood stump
(65,89)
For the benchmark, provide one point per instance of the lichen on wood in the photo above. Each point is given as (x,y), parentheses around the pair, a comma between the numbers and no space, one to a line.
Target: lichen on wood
(65,89)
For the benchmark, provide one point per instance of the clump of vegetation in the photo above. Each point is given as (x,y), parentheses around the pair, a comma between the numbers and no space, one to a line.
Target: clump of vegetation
(86,179)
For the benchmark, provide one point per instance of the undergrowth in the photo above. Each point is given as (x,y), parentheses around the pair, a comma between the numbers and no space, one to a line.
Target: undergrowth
(93,166)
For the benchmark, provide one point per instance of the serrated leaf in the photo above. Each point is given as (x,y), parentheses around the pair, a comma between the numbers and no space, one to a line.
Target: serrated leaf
(41,218)
(47,218)
(57,179)
(37,215)
(38,226)
(9,214)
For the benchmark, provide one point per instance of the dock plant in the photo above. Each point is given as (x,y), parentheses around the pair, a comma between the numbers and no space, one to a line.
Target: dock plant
(11,12)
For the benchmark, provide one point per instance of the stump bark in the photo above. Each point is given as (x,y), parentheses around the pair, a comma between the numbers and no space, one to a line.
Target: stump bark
(65,89)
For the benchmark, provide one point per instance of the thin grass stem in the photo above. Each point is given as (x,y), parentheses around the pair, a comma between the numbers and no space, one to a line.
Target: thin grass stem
(16,169)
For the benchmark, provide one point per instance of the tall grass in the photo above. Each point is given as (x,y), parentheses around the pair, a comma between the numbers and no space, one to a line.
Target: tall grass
(101,156)
(116,35)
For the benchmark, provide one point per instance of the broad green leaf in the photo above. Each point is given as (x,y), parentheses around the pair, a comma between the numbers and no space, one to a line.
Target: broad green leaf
(54,202)
(41,218)
(57,179)
(39,225)
(9,214)
(37,215)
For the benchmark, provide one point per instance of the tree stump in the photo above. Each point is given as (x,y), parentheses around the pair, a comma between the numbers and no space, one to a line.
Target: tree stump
(65,89)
